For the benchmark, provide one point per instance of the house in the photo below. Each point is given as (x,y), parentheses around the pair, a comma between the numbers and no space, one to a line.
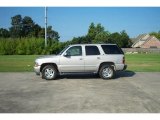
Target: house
(146,41)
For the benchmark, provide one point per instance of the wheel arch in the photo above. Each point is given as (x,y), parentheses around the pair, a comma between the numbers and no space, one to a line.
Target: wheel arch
(44,64)
(106,63)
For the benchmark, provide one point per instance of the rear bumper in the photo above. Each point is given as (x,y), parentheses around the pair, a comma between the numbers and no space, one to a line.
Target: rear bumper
(125,67)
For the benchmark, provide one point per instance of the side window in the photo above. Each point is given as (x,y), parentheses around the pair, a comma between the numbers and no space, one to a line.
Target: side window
(74,51)
(111,49)
(92,50)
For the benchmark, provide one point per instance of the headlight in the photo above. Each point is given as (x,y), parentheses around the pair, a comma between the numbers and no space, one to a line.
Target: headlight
(36,64)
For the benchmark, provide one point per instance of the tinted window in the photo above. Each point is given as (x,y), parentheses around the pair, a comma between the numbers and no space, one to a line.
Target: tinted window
(74,51)
(92,50)
(111,49)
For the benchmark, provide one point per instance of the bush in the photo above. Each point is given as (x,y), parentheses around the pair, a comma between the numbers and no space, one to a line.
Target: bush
(28,46)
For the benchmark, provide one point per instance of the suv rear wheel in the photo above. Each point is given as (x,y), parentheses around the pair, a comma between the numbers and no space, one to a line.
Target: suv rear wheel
(106,72)
(49,72)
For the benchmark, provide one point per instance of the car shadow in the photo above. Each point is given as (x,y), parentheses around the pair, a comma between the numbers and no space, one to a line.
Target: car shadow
(126,73)
(119,74)
(79,76)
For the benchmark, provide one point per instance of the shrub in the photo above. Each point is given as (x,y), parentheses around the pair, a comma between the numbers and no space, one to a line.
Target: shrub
(28,46)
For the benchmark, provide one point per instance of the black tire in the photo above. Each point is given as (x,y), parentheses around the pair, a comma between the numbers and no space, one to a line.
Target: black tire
(51,74)
(106,72)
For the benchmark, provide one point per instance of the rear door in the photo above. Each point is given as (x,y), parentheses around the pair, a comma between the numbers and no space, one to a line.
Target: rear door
(92,58)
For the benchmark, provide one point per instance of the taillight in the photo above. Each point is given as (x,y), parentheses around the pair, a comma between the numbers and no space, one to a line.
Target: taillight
(123,60)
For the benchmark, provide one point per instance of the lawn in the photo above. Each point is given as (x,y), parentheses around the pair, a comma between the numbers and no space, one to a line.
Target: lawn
(17,63)
(143,62)
(135,62)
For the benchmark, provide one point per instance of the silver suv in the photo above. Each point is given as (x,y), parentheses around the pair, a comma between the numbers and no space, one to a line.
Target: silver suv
(103,59)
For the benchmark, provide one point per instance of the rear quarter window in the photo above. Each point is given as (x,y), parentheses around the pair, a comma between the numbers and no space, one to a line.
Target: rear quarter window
(111,49)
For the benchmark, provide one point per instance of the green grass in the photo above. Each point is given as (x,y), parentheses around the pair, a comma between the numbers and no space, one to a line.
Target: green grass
(143,62)
(17,63)
(135,62)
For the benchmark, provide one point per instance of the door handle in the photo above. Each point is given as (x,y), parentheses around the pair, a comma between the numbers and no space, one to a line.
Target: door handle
(81,59)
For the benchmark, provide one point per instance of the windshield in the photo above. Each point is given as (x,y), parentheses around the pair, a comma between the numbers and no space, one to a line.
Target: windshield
(63,50)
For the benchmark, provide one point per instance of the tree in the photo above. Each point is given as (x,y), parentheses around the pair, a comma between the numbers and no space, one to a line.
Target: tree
(41,33)
(4,33)
(91,32)
(79,40)
(126,41)
(99,28)
(97,34)
(101,37)
(16,28)
(115,38)
(28,25)
(156,34)
(51,34)
(121,39)
(36,30)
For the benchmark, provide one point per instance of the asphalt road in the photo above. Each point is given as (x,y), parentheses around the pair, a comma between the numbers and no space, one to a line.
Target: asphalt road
(129,92)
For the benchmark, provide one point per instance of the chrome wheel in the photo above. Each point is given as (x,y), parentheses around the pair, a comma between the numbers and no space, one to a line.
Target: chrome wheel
(49,73)
(107,72)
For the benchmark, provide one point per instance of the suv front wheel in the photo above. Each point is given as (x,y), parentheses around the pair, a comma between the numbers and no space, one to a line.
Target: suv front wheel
(106,72)
(49,72)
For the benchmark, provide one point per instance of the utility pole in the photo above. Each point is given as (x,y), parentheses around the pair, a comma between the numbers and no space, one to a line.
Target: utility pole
(45,26)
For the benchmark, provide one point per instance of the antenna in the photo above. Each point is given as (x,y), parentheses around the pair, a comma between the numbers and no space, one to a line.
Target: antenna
(45,26)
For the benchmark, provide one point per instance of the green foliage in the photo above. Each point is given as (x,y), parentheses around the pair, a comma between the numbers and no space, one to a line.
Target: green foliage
(52,34)
(121,39)
(29,46)
(101,37)
(98,34)
(80,40)
(16,28)
(156,34)
(25,27)
(126,41)
(4,33)
(27,38)
(7,47)
(91,31)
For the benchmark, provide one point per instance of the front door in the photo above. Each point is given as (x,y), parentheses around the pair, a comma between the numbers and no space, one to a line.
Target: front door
(72,60)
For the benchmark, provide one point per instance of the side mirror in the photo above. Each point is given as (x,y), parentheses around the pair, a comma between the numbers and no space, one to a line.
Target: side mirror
(65,54)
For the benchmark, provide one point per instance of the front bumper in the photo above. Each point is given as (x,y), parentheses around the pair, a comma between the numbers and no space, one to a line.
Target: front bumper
(37,70)
(125,67)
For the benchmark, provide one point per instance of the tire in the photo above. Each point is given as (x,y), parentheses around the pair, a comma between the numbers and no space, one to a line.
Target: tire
(106,72)
(49,72)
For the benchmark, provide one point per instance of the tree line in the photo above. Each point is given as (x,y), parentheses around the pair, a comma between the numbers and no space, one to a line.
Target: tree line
(98,34)
(25,37)
(22,27)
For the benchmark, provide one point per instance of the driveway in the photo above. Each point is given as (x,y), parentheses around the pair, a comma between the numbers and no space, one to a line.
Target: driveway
(129,92)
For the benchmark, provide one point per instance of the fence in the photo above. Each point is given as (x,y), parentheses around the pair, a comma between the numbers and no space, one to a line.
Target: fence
(141,50)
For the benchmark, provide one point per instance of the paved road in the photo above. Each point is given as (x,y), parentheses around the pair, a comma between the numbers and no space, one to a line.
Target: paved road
(128,93)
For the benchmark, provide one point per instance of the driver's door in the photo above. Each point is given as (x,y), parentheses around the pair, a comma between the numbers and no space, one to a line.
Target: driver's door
(72,60)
